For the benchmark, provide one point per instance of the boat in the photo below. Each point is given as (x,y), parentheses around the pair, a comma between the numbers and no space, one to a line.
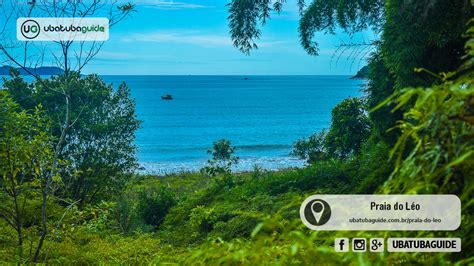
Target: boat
(167,97)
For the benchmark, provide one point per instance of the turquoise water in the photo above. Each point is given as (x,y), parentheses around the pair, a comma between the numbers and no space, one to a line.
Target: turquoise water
(262,116)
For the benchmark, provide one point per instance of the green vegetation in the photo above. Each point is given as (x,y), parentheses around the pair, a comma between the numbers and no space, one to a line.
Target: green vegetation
(222,158)
(363,73)
(350,129)
(24,160)
(98,148)
(86,158)
(69,194)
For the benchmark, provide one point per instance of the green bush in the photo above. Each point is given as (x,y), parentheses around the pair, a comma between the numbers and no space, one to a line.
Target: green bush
(202,219)
(350,128)
(126,215)
(239,226)
(154,204)
(311,149)
(99,143)
(222,160)
(373,166)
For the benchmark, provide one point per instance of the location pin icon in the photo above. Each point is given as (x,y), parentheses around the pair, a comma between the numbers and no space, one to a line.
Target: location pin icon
(317,208)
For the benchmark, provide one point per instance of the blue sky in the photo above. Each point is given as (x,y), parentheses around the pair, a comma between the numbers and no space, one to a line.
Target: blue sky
(190,37)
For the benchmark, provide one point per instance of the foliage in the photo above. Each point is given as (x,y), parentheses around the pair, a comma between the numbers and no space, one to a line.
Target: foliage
(438,129)
(244,18)
(25,159)
(202,219)
(425,34)
(247,15)
(373,166)
(95,218)
(436,133)
(227,212)
(99,143)
(352,16)
(253,218)
(380,86)
(222,158)
(137,249)
(350,128)
(437,136)
(153,205)
(126,214)
(311,149)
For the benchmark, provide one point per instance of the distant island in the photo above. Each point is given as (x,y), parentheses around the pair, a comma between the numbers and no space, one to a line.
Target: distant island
(5,70)
(363,73)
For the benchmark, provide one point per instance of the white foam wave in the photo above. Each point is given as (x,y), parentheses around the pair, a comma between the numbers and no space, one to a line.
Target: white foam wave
(245,164)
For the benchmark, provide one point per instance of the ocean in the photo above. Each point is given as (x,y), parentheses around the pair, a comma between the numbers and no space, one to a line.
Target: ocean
(261,115)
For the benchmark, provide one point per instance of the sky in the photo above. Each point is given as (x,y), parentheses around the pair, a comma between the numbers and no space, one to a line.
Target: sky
(191,37)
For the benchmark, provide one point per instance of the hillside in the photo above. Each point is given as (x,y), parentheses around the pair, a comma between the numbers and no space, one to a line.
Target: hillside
(46,71)
(363,73)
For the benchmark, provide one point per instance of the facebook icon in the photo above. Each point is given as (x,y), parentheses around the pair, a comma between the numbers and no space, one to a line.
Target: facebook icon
(341,244)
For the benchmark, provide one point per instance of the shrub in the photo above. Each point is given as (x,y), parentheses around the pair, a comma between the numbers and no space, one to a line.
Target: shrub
(222,158)
(350,128)
(373,166)
(241,225)
(99,143)
(126,215)
(311,149)
(154,204)
(203,219)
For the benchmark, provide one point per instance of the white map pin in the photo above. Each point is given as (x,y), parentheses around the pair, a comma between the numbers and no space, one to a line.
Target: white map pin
(319,214)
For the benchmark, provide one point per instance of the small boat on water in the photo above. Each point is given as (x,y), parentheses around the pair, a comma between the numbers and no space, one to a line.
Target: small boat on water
(167,97)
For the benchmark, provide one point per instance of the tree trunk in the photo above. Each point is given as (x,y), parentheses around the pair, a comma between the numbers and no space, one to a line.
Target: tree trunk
(48,182)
